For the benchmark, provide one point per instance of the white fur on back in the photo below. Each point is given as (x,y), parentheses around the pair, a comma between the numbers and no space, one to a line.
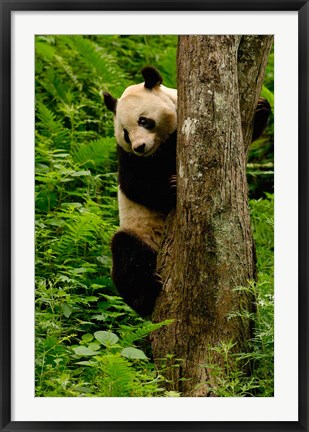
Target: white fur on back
(147,224)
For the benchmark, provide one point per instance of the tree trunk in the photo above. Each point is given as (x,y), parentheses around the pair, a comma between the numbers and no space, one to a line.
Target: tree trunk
(208,250)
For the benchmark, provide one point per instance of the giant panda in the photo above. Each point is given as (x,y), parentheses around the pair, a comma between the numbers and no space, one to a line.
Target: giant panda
(145,122)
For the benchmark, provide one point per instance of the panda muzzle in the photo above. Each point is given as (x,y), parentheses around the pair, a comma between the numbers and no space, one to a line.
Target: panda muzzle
(140,149)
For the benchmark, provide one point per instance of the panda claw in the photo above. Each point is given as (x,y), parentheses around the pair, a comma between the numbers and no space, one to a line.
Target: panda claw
(173,181)
(158,277)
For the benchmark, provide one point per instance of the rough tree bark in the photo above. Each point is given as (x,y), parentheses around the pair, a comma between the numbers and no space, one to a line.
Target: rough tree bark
(208,250)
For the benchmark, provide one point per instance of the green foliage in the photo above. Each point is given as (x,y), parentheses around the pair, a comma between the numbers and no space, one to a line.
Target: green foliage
(88,341)
(98,154)
(134,52)
(78,314)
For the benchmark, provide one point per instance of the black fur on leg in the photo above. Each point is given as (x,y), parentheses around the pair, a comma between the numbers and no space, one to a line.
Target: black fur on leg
(261,116)
(134,268)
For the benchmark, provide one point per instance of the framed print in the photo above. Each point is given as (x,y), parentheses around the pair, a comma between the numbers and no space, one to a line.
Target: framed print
(218,340)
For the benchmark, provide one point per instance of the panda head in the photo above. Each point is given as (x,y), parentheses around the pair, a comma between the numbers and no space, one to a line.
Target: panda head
(145,115)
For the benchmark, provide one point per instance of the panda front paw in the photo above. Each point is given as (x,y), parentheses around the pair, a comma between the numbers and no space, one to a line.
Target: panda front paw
(261,117)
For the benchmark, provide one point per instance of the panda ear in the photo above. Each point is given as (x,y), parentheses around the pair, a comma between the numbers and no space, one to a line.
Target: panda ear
(110,102)
(152,77)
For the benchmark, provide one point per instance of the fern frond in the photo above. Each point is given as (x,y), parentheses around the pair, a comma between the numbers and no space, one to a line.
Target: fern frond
(82,230)
(52,85)
(44,50)
(118,376)
(69,71)
(146,328)
(98,153)
(104,65)
(50,127)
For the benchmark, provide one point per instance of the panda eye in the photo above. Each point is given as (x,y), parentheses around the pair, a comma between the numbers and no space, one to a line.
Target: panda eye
(147,123)
(126,136)
(142,121)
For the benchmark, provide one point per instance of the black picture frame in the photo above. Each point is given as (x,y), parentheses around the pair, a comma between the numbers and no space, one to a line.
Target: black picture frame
(6,8)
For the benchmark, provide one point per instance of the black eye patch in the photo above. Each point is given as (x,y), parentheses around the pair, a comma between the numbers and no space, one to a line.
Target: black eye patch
(126,136)
(147,123)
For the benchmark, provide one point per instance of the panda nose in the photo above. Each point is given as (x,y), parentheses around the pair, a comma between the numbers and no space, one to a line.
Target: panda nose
(140,149)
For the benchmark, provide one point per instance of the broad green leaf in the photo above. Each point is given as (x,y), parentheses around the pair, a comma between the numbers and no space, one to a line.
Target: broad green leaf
(87,337)
(67,310)
(100,317)
(86,363)
(133,353)
(84,351)
(91,298)
(83,389)
(106,338)
(81,173)
(94,346)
